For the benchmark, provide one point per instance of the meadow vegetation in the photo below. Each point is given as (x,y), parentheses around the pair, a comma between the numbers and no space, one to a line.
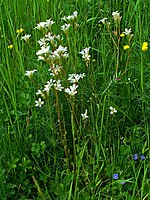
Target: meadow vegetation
(74,100)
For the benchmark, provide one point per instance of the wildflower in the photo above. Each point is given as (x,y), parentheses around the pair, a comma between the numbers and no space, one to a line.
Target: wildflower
(145,46)
(48,86)
(84,115)
(55,69)
(39,102)
(122,35)
(123,182)
(115,176)
(26,37)
(75,13)
(49,23)
(103,20)
(30,73)
(72,90)
(42,42)
(135,156)
(20,30)
(117,79)
(126,47)
(112,110)
(127,31)
(10,46)
(85,53)
(41,25)
(65,27)
(43,50)
(58,86)
(116,16)
(142,157)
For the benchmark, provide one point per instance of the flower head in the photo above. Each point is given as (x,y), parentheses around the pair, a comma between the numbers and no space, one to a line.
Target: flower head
(26,37)
(72,90)
(127,31)
(112,110)
(135,156)
(116,16)
(39,102)
(58,86)
(30,73)
(41,25)
(142,157)
(43,50)
(85,53)
(84,115)
(126,47)
(20,30)
(145,46)
(10,46)
(115,176)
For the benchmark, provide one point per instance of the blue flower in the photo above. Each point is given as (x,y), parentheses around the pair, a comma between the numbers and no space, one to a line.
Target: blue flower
(123,182)
(135,156)
(115,176)
(142,157)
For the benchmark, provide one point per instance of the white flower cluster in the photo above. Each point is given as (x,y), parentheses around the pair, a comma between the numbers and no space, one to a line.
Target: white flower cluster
(74,78)
(71,17)
(45,25)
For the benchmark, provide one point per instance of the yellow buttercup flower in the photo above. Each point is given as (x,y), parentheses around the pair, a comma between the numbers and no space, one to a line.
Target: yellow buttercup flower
(20,30)
(122,35)
(126,47)
(145,46)
(10,46)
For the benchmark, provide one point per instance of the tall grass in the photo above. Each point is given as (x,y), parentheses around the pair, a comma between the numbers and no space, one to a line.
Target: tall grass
(51,152)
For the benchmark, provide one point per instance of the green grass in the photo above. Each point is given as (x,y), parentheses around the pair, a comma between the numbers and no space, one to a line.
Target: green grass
(50,152)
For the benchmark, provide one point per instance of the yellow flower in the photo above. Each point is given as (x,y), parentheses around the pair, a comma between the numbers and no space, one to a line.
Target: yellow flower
(122,35)
(145,46)
(20,30)
(10,46)
(126,47)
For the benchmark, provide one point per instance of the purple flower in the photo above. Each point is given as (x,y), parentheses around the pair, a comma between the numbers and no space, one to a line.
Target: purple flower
(115,176)
(142,157)
(135,156)
(123,182)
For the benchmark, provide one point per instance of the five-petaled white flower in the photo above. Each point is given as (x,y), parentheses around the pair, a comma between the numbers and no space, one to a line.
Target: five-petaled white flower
(58,86)
(30,73)
(85,53)
(71,90)
(39,102)
(112,110)
(127,31)
(116,16)
(65,27)
(43,50)
(26,37)
(84,115)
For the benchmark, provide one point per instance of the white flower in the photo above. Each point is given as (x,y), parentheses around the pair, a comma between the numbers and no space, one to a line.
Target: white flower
(127,31)
(58,86)
(43,50)
(26,37)
(39,92)
(75,13)
(112,110)
(85,53)
(84,116)
(39,102)
(48,86)
(65,27)
(50,37)
(41,58)
(41,25)
(116,16)
(103,20)
(55,69)
(42,42)
(71,90)
(74,78)
(49,23)
(30,73)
